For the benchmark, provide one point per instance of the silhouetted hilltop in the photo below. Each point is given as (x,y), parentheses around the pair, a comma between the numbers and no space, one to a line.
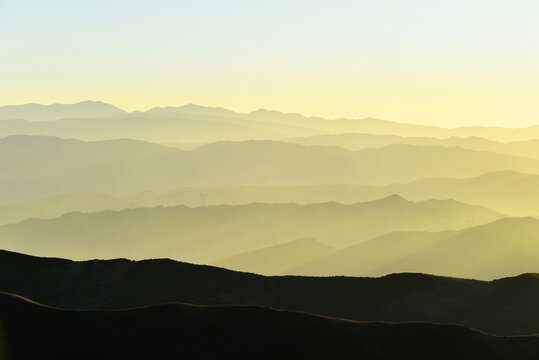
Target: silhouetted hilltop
(38,112)
(210,233)
(506,306)
(189,331)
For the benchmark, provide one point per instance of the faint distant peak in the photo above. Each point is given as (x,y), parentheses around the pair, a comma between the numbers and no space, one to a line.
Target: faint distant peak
(194,109)
(267,112)
(40,112)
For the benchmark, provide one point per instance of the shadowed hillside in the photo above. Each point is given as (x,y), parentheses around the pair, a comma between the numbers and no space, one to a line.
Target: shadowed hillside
(189,331)
(506,306)
(210,233)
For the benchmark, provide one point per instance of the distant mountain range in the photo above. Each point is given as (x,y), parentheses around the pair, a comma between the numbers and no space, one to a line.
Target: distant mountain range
(333,223)
(198,124)
(507,192)
(355,142)
(506,307)
(235,332)
(211,233)
(38,112)
(38,167)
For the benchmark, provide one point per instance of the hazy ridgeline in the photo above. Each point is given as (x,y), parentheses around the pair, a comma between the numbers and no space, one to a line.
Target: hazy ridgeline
(506,192)
(268,192)
(209,233)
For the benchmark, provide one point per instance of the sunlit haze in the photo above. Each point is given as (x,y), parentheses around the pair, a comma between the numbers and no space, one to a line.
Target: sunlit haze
(447,63)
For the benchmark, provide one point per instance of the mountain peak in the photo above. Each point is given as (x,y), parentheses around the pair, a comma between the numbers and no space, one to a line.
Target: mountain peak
(391,199)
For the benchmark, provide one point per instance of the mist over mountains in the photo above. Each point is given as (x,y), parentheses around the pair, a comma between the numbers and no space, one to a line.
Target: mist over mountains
(210,233)
(191,123)
(344,217)
(38,112)
(507,192)
(395,218)
(37,167)
(502,248)
(354,142)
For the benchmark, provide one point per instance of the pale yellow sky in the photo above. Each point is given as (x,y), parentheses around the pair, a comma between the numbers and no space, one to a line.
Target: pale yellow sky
(449,64)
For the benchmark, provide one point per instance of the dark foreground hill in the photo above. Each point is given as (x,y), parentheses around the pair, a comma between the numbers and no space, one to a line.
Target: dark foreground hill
(507,306)
(33,331)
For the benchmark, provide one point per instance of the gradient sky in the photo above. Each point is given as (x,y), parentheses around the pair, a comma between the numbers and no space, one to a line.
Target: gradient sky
(448,63)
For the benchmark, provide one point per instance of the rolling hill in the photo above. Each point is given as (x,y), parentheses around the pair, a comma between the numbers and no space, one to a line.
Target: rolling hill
(277,259)
(210,233)
(506,247)
(507,192)
(188,331)
(507,306)
(355,142)
(60,204)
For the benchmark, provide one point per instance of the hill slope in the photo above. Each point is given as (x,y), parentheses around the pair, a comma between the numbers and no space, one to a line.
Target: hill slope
(209,233)
(277,259)
(505,247)
(188,331)
(355,142)
(507,306)
(58,205)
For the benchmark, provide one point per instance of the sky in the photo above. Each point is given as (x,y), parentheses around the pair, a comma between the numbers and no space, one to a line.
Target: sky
(446,63)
